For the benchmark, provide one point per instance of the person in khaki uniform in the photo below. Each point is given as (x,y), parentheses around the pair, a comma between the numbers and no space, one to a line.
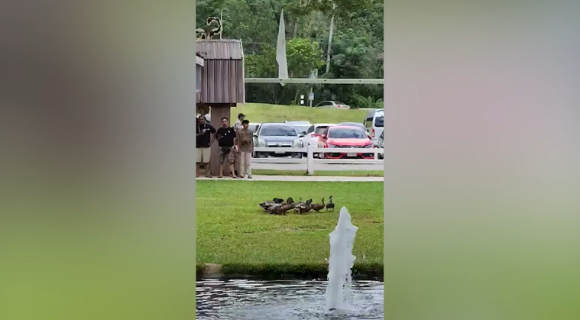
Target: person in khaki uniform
(245,148)
(238,127)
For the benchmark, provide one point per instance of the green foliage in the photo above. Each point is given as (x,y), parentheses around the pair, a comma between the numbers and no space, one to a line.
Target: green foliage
(303,55)
(356,50)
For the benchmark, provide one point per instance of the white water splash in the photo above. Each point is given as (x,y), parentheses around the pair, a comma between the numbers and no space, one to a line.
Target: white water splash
(338,292)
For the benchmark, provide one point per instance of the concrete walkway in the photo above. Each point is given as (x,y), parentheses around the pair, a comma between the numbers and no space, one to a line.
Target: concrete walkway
(304,178)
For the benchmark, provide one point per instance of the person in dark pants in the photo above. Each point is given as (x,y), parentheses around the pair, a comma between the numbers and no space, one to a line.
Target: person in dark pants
(205,137)
(227,142)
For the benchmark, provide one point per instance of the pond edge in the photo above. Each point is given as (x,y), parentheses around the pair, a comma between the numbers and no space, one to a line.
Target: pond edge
(360,271)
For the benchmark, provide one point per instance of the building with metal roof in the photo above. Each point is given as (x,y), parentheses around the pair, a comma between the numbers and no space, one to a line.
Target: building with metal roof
(220,83)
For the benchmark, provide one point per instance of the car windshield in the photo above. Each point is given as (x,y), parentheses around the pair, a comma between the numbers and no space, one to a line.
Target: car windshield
(301,128)
(347,133)
(380,121)
(320,130)
(278,131)
(355,124)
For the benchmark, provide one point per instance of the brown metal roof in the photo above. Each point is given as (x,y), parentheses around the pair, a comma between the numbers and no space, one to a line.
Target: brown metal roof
(225,49)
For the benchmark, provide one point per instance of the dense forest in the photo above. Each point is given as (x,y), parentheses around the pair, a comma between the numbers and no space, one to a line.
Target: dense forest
(356,48)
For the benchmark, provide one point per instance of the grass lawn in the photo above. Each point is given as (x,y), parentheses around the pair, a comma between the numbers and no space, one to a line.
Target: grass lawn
(259,112)
(233,230)
(319,173)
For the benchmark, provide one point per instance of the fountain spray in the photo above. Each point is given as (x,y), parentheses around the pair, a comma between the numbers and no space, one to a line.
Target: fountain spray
(340,263)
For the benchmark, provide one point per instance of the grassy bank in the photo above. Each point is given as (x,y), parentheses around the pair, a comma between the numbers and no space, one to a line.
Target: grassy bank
(234,232)
(319,173)
(259,112)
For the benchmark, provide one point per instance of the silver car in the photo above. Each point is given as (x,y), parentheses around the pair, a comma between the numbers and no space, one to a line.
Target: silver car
(277,135)
(332,105)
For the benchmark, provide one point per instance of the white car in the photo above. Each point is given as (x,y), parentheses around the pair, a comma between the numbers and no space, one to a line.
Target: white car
(300,126)
(314,133)
(254,126)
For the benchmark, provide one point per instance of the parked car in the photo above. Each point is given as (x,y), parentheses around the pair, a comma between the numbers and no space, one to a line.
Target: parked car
(300,126)
(276,135)
(313,134)
(375,122)
(343,137)
(356,124)
(254,126)
(380,144)
(332,105)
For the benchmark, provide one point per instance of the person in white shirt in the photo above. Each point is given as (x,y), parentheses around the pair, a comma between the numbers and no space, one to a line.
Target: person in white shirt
(238,127)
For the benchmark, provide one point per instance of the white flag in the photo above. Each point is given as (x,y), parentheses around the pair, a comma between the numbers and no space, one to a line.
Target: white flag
(329,43)
(281,50)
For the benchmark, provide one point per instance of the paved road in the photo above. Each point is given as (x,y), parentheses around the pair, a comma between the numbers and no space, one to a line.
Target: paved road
(304,178)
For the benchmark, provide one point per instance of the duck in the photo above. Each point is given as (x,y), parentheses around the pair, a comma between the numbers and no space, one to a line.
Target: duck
(283,208)
(267,204)
(318,206)
(330,204)
(304,208)
(278,200)
(280,208)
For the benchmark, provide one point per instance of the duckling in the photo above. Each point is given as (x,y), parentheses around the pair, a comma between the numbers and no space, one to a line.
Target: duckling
(318,206)
(330,204)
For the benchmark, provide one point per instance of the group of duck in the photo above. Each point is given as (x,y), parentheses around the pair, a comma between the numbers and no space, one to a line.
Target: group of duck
(280,207)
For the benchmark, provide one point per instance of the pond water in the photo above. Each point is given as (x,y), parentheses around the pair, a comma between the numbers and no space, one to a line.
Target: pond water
(288,300)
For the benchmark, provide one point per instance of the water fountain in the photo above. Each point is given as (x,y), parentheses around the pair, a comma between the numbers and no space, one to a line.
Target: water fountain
(250,299)
(341,260)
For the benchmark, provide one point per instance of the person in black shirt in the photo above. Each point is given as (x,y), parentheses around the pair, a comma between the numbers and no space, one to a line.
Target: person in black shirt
(204,139)
(226,137)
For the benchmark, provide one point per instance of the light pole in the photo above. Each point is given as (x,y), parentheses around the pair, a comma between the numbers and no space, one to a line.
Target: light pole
(222,22)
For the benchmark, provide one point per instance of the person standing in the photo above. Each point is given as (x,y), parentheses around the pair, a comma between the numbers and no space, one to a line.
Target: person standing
(246,148)
(227,142)
(204,139)
(238,127)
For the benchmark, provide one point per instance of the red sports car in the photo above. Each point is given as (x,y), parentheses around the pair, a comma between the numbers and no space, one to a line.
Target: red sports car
(344,137)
